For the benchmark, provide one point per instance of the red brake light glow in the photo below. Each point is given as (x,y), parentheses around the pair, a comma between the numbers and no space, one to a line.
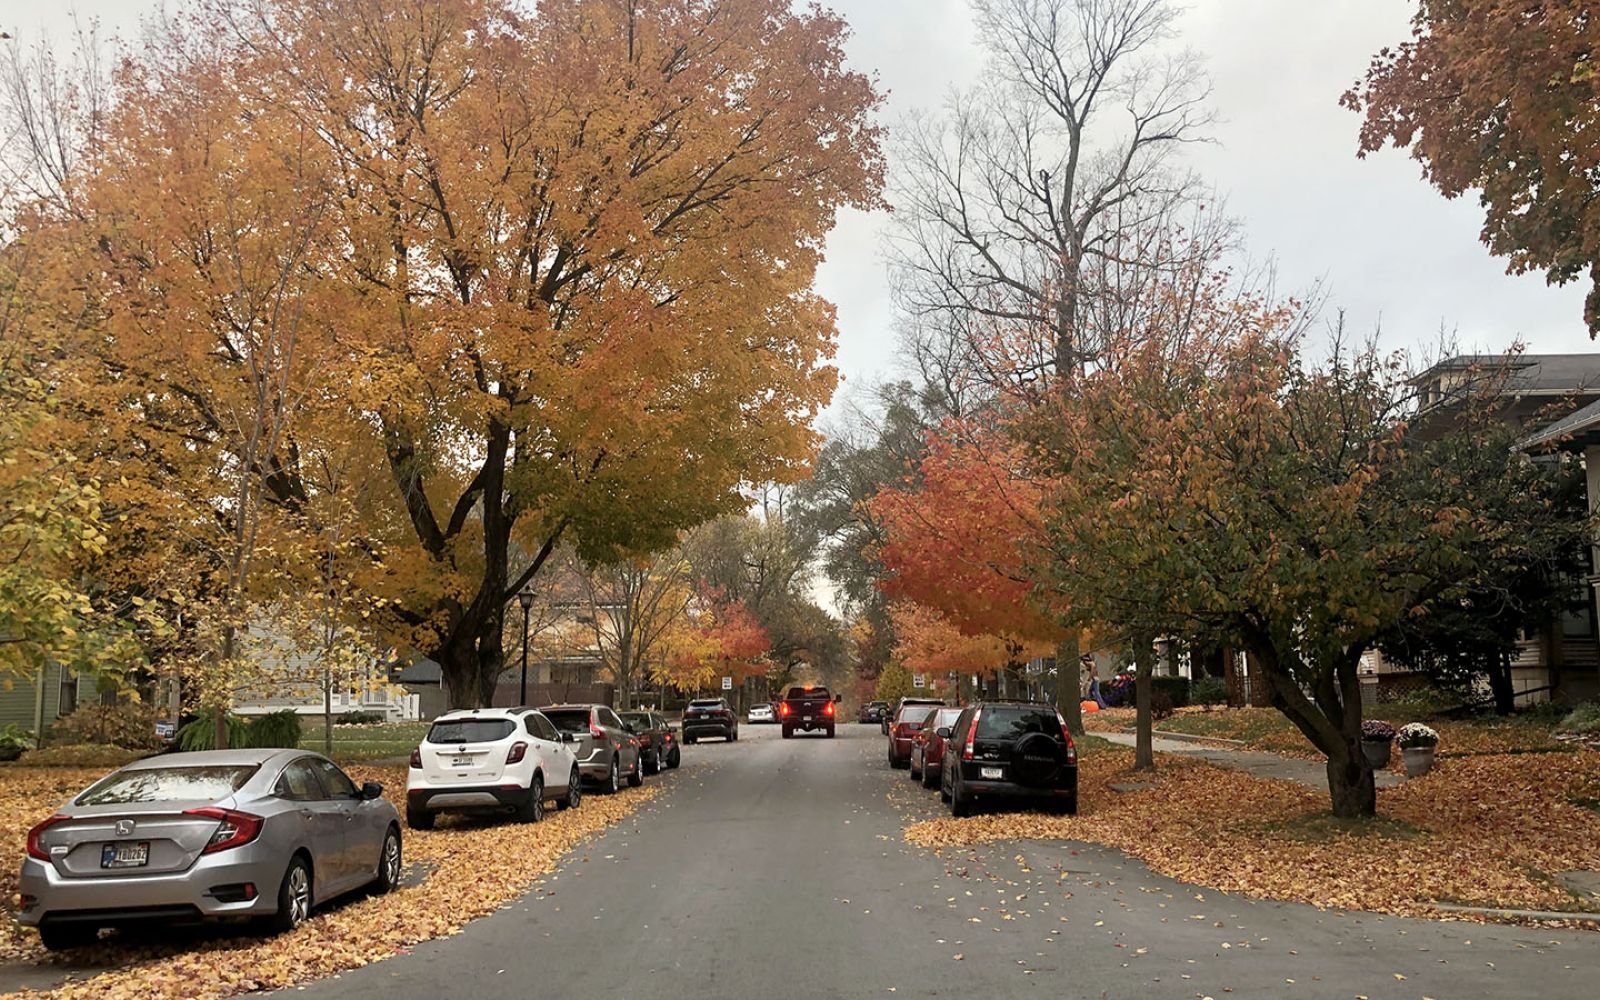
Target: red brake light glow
(234,829)
(827,709)
(972,736)
(35,849)
(783,709)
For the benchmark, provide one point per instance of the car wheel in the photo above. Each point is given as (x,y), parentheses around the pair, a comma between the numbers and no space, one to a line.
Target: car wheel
(574,794)
(532,811)
(733,736)
(960,801)
(689,740)
(419,819)
(636,776)
(64,937)
(916,772)
(788,733)
(612,783)
(675,759)
(830,732)
(389,864)
(929,779)
(294,897)
(944,789)
(653,765)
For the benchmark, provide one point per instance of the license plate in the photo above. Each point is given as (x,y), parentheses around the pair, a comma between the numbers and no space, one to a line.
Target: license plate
(462,760)
(995,773)
(125,855)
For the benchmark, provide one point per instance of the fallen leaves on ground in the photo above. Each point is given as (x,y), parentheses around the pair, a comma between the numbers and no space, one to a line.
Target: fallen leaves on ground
(476,867)
(1483,831)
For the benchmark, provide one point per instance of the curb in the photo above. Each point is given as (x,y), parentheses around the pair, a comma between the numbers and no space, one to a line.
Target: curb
(1489,911)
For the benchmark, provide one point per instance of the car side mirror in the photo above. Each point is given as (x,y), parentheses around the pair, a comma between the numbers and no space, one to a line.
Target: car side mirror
(567,737)
(943,732)
(371,790)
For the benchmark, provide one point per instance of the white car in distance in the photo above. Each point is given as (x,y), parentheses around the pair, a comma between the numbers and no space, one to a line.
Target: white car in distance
(491,759)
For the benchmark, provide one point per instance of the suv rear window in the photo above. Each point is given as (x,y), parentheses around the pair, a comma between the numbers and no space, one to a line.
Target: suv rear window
(819,692)
(1010,722)
(570,720)
(707,704)
(169,784)
(470,730)
(915,714)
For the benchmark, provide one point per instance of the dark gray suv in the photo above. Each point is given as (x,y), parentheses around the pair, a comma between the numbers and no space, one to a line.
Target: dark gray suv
(1008,751)
(605,749)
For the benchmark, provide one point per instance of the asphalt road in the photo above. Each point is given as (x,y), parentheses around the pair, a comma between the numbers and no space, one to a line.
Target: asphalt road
(777,869)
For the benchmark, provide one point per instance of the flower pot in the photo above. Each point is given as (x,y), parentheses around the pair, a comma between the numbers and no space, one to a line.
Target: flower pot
(1419,760)
(1377,752)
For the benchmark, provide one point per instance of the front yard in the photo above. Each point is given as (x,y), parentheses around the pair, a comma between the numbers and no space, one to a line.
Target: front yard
(377,741)
(1492,830)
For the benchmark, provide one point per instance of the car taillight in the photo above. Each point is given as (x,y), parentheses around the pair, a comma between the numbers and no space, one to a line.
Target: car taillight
(827,709)
(514,755)
(1072,750)
(35,849)
(234,829)
(972,736)
(783,709)
(596,731)
(416,759)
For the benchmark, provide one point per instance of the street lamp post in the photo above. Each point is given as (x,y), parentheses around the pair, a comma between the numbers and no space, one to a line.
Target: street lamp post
(526,600)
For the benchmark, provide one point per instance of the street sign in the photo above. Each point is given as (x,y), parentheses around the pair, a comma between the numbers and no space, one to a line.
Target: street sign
(919,680)
(727,684)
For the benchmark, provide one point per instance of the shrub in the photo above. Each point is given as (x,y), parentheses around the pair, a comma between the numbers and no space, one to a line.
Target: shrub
(131,726)
(1209,691)
(275,730)
(357,718)
(1176,689)
(1377,731)
(81,755)
(1583,719)
(1414,735)
(200,732)
(13,741)
(1160,705)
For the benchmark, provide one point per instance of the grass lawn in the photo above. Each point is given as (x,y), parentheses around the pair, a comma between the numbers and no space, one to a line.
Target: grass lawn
(390,739)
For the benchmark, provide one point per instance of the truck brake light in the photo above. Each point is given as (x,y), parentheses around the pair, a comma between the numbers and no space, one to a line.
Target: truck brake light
(827,709)
(783,708)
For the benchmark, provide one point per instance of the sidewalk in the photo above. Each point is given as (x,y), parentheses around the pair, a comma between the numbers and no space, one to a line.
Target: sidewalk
(1312,774)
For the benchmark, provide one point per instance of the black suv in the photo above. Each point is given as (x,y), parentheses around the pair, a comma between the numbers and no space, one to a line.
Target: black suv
(873,711)
(657,743)
(709,717)
(1013,750)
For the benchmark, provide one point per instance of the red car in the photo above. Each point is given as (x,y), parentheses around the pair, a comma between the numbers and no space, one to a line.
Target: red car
(906,721)
(927,746)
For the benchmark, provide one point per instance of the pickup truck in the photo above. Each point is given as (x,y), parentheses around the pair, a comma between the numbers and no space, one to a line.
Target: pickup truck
(808,709)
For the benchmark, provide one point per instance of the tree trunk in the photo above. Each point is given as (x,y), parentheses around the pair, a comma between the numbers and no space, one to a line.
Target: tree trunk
(1351,786)
(1067,672)
(1144,758)
(1505,696)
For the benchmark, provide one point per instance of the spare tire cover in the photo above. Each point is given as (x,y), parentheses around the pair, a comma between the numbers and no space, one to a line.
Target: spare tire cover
(1035,760)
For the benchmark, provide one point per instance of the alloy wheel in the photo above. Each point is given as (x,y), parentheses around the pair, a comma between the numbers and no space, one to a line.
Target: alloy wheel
(299,895)
(391,859)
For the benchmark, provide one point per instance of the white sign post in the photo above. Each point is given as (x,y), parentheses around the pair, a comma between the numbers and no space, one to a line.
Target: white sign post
(919,680)
(727,684)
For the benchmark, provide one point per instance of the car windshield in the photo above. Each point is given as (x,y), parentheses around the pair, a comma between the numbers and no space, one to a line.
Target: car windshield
(914,714)
(1004,722)
(168,784)
(569,720)
(469,730)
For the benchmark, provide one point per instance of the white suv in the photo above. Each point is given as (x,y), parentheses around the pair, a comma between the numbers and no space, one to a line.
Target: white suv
(488,759)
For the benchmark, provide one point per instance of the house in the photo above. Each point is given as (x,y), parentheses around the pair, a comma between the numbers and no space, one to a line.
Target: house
(1555,398)
(33,703)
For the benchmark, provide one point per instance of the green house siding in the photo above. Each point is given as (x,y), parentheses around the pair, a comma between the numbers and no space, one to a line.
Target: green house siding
(17,699)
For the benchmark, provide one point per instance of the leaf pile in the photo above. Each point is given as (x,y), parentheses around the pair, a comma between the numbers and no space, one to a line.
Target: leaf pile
(477,866)
(1485,831)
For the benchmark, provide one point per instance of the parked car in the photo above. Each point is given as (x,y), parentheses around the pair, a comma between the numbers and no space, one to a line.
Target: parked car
(889,717)
(709,717)
(491,759)
(808,708)
(761,713)
(266,834)
(657,742)
(602,744)
(1008,750)
(873,711)
(907,721)
(927,746)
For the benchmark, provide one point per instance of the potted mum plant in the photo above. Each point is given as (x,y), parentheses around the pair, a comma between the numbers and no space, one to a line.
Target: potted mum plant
(1377,741)
(1417,744)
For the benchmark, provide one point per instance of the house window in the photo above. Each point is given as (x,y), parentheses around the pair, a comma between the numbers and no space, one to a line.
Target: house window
(69,693)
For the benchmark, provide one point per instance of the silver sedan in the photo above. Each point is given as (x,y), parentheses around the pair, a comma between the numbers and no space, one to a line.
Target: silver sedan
(264,834)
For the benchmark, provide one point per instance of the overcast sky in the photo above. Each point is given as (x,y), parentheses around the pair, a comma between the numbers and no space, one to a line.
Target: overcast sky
(1387,247)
